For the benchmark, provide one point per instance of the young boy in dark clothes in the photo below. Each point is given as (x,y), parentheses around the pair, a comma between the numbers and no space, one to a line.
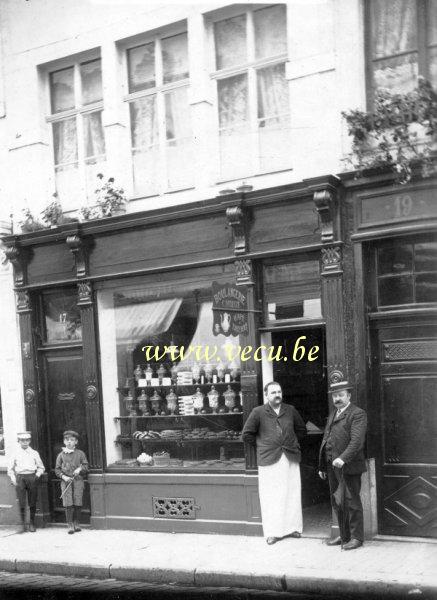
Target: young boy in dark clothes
(71,466)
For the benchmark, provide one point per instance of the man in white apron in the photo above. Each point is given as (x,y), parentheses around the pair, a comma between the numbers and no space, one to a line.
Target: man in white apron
(276,429)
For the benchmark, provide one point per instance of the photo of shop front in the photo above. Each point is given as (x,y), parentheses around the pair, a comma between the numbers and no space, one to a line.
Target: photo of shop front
(153,334)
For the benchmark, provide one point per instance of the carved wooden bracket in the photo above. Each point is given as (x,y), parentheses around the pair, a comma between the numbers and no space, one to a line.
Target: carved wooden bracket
(243,271)
(237,220)
(79,250)
(19,258)
(326,207)
(23,301)
(331,260)
(84,291)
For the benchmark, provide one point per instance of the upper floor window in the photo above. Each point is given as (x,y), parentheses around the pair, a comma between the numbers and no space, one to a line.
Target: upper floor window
(252,92)
(158,84)
(402,43)
(76,119)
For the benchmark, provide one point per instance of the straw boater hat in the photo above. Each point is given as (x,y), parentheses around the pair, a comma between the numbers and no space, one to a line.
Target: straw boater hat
(340,386)
(70,433)
(24,435)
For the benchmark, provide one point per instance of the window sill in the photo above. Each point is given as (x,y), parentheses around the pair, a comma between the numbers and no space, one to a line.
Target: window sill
(257,174)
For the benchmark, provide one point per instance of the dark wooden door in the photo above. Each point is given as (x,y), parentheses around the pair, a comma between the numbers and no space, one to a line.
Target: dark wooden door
(403,417)
(65,409)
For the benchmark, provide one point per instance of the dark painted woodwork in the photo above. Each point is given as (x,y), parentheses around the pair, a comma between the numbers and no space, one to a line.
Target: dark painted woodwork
(80,249)
(169,244)
(19,258)
(403,412)
(90,386)
(292,224)
(53,262)
(65,409)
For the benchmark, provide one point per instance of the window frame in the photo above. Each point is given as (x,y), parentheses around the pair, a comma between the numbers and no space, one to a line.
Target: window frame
(78,112)
(423,47)
(249,67)
(160,89)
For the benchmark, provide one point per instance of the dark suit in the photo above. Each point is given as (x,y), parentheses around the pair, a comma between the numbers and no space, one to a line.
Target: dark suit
(344,438)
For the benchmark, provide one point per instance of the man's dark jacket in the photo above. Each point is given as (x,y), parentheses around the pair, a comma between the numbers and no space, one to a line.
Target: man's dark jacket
(348,436)
(274,434)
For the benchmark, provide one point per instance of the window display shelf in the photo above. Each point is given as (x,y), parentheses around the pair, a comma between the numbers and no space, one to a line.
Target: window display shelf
(181,441)
(198,416)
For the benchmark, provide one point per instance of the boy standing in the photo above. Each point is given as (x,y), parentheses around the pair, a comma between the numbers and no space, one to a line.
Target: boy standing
(24,469)
(71,465)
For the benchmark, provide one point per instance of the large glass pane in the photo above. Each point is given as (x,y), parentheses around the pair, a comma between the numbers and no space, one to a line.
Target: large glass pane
(432,65)
(236,139)
(395,290)
(393,26)
(175,57)
(62,316)
(91,78)
(68,185)
(141,67)
(292,289)
(398,74)
(179,403)
(2,439)
(270,31)
(432,22)
(233,101)
(272,92)
(230,42)
(426,287)
(179,159)
(65,141)
(62,90)
(145,163)
(144,123)
(425,257)
(395,258)
(93,133)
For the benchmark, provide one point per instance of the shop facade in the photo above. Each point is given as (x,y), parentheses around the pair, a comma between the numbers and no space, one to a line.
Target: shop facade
(299,283)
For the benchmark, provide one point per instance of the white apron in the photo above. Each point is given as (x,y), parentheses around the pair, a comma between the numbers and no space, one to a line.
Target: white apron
(280,498)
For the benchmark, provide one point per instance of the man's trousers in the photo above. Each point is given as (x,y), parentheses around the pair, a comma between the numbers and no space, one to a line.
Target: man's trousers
(27,485)
(347,503)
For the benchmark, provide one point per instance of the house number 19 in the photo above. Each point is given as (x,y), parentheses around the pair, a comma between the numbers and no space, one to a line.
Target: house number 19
(403,205)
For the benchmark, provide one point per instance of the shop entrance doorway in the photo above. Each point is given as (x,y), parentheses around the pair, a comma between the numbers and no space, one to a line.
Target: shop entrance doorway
(304,385)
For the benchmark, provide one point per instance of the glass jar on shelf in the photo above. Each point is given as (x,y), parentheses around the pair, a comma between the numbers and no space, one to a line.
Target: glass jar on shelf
(129,403)
(213,397)
(172,402)
(162,371)
(138,373)
(148,373)
(196,372)
(156,403)
(174,372)
(229,396)
(220,371)
(143,404)
(198,398)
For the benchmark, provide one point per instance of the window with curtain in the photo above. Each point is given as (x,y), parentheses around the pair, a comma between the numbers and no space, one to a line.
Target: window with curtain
(158,82)
(2,439)
(252,92)
(78,139)
(402,43)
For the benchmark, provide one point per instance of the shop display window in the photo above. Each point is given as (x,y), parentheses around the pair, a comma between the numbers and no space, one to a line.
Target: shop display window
(2,439)
(292,288)
(171,378)
(62,316)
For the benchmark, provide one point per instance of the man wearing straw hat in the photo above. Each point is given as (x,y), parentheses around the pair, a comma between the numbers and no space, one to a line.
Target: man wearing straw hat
(24,469)
(341,460)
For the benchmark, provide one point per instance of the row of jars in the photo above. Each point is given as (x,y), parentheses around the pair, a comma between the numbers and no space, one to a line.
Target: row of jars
(201,373)
(202,403)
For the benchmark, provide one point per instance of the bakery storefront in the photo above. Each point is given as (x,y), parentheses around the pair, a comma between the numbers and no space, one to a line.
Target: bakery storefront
(152,333)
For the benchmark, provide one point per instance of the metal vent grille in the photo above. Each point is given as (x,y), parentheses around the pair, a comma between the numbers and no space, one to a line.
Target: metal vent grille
(173,508)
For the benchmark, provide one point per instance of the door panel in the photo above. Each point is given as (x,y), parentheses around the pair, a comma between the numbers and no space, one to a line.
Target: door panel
(405,385)
(65,406)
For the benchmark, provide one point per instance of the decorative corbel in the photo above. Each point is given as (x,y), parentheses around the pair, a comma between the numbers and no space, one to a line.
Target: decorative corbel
(325,205)
(237,220)
(22,301)
(19,258)
(243,271)
(79,250)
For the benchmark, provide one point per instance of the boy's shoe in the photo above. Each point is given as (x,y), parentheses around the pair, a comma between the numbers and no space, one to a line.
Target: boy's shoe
(32,527)
(70,528)
(76,526)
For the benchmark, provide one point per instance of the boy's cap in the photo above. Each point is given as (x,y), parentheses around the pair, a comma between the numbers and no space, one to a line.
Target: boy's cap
(71,433)
(24,435)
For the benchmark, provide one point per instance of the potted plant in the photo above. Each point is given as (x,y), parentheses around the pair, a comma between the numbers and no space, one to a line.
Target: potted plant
(399,133)
(52,214)
(111,199)
(29,223)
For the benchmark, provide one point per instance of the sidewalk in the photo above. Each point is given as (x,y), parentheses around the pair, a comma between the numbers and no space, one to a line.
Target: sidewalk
(380,568)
